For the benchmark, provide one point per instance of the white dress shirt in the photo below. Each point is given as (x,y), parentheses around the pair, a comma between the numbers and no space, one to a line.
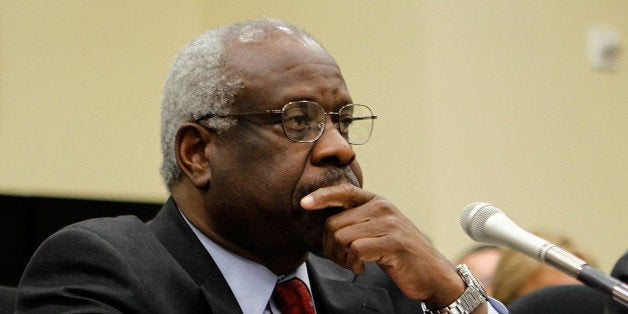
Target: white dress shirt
(254,292)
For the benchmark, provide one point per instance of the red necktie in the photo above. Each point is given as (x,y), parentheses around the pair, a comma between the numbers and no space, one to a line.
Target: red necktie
(293,297)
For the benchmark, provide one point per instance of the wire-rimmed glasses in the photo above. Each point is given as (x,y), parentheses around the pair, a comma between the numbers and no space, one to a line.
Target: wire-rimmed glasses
(304,121)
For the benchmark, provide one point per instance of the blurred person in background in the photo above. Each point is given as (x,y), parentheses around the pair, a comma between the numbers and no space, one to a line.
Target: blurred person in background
(517,274)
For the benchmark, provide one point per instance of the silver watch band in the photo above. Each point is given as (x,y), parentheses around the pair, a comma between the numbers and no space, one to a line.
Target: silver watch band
(470,299)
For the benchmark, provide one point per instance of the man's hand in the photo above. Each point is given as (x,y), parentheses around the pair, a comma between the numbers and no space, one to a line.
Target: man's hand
(371,229)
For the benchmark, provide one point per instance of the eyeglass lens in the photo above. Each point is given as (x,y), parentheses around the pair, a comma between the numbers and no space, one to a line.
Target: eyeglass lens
(304,121)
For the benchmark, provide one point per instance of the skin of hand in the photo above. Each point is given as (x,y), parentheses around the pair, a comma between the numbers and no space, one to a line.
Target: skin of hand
(371,229)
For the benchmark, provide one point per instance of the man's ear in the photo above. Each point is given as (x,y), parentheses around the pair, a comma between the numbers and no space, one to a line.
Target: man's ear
(192,151)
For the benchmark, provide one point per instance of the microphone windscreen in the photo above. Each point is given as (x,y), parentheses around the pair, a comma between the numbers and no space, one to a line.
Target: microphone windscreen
(473,219)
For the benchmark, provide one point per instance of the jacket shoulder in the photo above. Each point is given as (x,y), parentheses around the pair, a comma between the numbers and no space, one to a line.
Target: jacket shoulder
(103,264)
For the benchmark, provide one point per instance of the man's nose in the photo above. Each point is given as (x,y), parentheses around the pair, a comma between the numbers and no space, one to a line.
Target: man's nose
(332,148)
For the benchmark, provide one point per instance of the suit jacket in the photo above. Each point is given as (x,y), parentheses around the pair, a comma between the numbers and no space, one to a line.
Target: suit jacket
(620,270)
(124,265)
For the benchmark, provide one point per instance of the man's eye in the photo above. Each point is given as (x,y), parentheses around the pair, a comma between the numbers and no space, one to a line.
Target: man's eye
(300,119)
(296,121)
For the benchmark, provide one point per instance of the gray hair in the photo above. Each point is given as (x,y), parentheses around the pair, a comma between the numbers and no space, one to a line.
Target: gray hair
(200,82)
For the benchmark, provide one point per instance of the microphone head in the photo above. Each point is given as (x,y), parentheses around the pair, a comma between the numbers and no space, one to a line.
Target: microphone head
(487,224)
(473,219)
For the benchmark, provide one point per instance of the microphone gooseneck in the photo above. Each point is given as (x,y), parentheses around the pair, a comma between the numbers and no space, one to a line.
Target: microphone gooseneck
(486,223)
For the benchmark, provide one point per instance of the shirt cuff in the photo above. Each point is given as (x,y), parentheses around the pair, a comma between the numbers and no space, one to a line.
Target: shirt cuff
(496,307)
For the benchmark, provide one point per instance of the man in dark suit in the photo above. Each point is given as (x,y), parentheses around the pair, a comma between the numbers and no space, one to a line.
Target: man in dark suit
(257,128)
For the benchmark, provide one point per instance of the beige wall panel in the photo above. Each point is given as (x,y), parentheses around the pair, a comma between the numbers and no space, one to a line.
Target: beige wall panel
(518,117)
(478,101)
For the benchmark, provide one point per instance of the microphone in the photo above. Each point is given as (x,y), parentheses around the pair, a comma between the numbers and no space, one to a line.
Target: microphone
(486,223)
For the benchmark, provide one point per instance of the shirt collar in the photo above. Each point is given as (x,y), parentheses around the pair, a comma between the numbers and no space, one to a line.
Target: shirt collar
(251,283)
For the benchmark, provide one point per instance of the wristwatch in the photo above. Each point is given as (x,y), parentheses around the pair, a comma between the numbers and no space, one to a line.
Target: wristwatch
(470,299)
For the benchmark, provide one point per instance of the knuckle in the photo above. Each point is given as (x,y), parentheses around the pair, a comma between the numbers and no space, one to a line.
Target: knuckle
(389,222)
(331,226)
(384,206)
(338,236)
(358,248)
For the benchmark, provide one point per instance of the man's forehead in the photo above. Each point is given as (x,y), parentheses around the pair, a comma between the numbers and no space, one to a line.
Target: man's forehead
(257,44)
(283,64)
(274,51)
(266,35)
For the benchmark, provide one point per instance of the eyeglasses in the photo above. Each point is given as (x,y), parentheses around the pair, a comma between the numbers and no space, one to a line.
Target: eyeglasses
(304,121)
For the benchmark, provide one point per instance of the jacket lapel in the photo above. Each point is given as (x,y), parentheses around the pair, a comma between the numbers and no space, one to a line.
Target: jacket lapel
(335,292)
(177,237)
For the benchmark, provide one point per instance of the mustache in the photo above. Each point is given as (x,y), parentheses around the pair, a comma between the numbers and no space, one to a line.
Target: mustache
(331,176)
